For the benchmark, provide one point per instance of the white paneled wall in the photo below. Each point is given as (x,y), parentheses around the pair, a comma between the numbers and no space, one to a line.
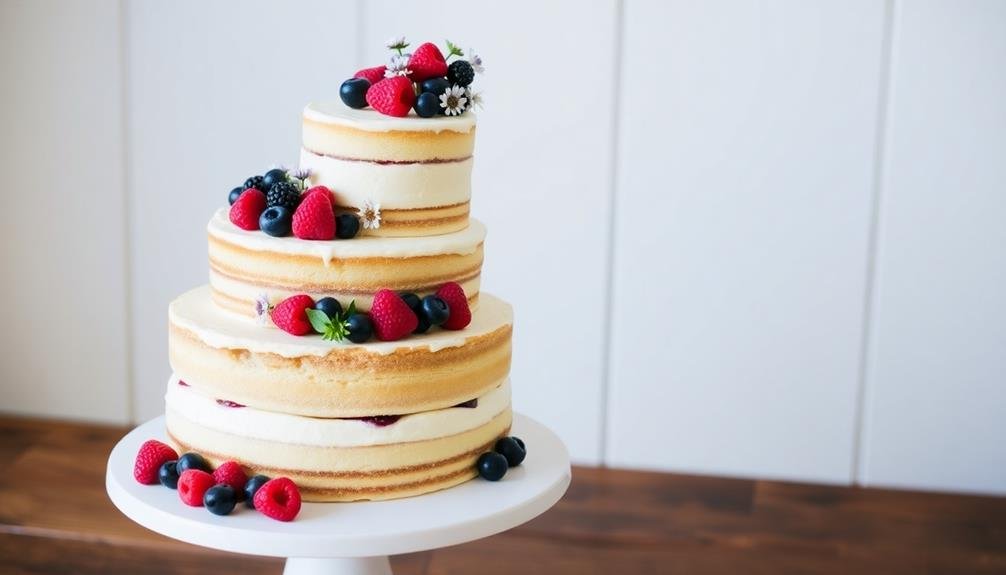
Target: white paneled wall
(741,238)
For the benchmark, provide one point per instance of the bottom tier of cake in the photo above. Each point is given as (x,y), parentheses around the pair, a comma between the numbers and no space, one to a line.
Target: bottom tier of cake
(384,457)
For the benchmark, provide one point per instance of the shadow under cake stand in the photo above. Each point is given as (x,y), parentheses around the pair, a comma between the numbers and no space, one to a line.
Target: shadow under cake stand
(351,538)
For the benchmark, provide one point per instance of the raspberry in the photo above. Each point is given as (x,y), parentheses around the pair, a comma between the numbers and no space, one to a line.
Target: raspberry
(392,96)
(373,75)
(246,211)
(278,499)
(192,485)
(314,218)
(230,473)
(392,317)
(457,301)
(427,62)
(149,459)
(290,315)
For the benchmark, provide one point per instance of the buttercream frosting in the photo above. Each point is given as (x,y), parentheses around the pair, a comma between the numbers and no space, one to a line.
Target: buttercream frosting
(372,121)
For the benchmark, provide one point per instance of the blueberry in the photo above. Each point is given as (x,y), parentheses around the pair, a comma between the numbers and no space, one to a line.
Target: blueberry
(492,466)
(346,226)
(192,461)
(276,221)
(519,441)
(235,194)
(435,310)
(423,325)
(427,105)
(273,176)
(435,86)
(168,474)
(220,499)
(359,327)
(354,92)
(460,72)
(331,307)
(251,486)
(513,451)
(411,300)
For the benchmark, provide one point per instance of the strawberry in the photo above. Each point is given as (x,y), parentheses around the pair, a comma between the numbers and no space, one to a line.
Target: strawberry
(391,316)
(278,499)
(392,96)
(314,218)
(427,62)
(230,473)
(247,209)
(457,301)
(372,75)
(192,486)
(149,459)
(291,314)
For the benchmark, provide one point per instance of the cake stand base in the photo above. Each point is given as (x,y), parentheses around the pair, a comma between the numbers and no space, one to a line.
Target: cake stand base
(351,538)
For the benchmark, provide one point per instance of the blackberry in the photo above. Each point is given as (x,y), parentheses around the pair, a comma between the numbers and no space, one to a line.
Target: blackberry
(283,194)
(460,72)
(255,182)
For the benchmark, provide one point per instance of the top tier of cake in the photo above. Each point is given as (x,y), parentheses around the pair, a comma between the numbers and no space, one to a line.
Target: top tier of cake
(418,170)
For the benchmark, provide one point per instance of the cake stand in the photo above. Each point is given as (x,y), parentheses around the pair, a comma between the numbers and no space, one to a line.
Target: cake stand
(351,538)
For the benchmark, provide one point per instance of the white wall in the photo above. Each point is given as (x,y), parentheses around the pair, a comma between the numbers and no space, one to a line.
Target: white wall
(779,224)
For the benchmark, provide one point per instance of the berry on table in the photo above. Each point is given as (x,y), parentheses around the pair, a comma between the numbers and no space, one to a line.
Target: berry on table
(372,75)
(255,182)
(192,460)
(149,459)
(435,309)
(460,72)
(392,96)
(192,486)
(283,194)
(427,105)
(346,226)
(290,315)
(457,302)
(273,177)
(391,316)
(251,487)
(509,448)
(314,218)
(220,499)
(427,62)
(330,307)
(246,211)
(435,86)
(230,473)
(278,499)
(519,441)
(492,466)
(234,195)
(168,474)
(276,221)
(359,328)
(354,92)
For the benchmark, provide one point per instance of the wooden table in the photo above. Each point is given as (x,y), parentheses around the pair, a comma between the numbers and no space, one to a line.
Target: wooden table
(56,518)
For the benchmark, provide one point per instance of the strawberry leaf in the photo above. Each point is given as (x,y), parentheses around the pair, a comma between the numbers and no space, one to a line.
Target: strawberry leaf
(319,320)
(453,50)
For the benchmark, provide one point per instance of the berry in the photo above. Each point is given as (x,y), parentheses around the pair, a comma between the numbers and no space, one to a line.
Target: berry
(278,499)
(372,75)
(168,474)
(435,310)
(314,218)
(246,211)
(331,307)
(359,328)
(290,315)
(391,316)
(192,486)
(492,466)
(234,195)
(519,441)
(460,72)
(323,190)
(255,182)
(192,461)
(392,96)
(283,194)
(435,86)
(354,92)
(427,105)
(220,499)
(149,459)
(423,324)
(252,487)
(513,451)
(276,221)
(460,314)
(230,473)
(273,177)
(346,226)
(411,300)
(427,62)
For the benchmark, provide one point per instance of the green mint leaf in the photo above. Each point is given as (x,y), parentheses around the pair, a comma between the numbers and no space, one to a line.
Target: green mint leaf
(453,50)
(319,320)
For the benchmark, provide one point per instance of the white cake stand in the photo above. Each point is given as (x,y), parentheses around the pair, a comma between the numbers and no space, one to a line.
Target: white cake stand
(351,538)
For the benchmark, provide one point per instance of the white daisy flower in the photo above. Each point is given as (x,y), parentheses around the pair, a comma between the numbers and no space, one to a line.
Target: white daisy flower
(398,65)
(474,98)
(453,101)
(475,60)
(262,309)
(370,215)
(396,43)
(299,173)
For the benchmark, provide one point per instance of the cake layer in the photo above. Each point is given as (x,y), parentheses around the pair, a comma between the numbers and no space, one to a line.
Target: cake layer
(227,357)
(416,198)
(246,264)
(335,130)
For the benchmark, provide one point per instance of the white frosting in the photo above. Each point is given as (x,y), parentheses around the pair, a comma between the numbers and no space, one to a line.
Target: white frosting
(194,311)
(335,112)
(395,186)
(295,429)
(463,242)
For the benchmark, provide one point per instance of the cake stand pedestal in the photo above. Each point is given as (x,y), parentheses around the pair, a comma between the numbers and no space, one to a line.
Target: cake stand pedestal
(351,538)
